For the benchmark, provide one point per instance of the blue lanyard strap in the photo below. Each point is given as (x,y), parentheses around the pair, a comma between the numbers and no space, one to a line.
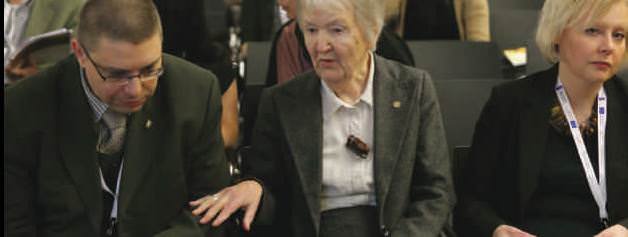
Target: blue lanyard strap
(597,187)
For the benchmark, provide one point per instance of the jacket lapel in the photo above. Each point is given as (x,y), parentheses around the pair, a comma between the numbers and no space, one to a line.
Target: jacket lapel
(302,120)
(533,138)
(77,141)
(533,128)
(142,134)
(391,108)
(78,147)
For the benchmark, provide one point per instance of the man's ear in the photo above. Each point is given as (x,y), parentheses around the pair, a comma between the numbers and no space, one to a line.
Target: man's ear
(78,52)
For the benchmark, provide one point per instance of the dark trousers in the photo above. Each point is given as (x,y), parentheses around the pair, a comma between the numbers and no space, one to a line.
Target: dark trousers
(352,221)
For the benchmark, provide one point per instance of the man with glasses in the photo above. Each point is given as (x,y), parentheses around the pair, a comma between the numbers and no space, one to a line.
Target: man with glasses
(114,140)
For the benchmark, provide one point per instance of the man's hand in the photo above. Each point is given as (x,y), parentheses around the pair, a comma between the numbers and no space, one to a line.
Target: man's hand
(244,195)
(614,231)
(510,231)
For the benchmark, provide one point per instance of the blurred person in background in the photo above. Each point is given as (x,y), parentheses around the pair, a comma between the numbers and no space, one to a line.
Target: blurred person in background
(466,20)
(28,18)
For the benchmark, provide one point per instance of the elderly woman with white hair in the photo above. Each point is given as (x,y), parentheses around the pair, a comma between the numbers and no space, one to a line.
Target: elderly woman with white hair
(549,154)
(354,148)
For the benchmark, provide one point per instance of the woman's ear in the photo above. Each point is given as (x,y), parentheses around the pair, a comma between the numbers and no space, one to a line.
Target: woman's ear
(555,43)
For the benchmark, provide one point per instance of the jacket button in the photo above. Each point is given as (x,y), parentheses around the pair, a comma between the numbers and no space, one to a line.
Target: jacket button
(384,231)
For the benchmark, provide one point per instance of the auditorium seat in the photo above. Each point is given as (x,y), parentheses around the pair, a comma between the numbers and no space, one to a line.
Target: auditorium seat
(497,5)
(458,165)
(461,102)
(256,65)
(456,59)
(514,28)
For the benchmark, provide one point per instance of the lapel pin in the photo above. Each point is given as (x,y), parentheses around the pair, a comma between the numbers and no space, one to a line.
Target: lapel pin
(396,104)
(148,124)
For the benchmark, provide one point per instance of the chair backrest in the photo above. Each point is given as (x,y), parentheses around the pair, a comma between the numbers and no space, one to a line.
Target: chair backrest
(461,102)
(456,59)
(458,165)
(216,17)
(257,62)
(256,66)
(513,27)
(497,5)
(503,22)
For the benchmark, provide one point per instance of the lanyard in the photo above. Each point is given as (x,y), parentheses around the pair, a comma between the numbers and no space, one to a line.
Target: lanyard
(103,184)
(598,188)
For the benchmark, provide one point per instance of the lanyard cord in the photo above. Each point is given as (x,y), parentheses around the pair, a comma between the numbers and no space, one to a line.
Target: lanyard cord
(597,187)
(103,184)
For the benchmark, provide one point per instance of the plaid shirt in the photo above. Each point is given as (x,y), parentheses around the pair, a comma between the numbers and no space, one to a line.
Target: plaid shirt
(98,107)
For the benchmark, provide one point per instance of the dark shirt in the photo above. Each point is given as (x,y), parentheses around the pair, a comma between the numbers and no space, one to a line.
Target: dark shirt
(563,204)
(430,20)
(109,166)
(259,20)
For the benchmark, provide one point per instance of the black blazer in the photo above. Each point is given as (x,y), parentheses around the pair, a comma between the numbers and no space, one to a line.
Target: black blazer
(51,181)
(508,146)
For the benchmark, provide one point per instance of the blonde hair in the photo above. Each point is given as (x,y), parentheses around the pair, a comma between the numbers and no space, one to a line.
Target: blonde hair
(557,15)
(393,9)
(369,14)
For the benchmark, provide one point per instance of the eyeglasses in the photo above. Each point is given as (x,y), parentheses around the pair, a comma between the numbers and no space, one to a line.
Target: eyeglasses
(122,78)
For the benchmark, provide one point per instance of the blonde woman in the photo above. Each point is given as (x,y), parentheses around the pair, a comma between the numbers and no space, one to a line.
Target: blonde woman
(549,154)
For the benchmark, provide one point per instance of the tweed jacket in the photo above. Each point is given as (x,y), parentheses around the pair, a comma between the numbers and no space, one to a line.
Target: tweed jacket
(411,166)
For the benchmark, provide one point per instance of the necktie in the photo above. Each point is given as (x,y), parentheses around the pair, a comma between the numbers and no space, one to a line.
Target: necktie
(112,138)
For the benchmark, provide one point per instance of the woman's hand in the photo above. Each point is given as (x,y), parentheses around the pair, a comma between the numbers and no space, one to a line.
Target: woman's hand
(614,231)
(244,195)
(510,231)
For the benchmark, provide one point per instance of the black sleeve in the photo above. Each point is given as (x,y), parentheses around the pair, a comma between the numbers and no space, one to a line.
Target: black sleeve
(391,46)
(476,215)
(266,165)
(20,158)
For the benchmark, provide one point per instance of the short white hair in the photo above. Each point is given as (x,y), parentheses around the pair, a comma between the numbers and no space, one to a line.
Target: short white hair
(369,14)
